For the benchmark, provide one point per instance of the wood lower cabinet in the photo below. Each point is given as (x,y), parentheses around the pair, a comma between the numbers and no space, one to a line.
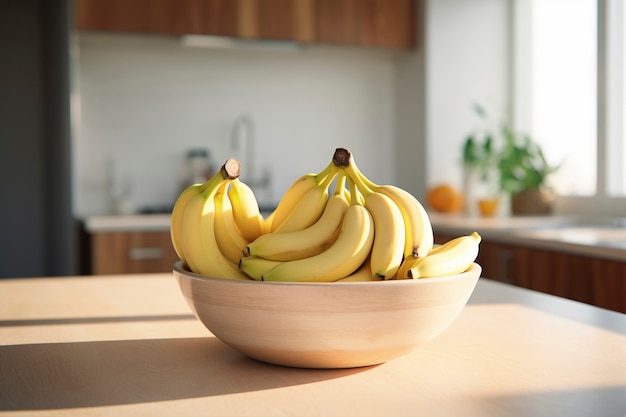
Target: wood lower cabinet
(131,252)
(599,282)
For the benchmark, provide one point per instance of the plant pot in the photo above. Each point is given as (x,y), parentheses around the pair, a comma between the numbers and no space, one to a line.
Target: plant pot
(532,202)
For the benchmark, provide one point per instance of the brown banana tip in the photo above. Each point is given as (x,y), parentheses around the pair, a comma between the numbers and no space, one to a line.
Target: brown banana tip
(342,157)
(231,168)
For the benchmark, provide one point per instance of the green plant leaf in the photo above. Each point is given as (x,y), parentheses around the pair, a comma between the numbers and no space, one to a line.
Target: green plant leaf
(517,159)
(479,110)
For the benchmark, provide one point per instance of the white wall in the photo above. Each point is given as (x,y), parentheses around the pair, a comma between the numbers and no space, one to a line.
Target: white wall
(466,46)
(410,156)
(145,101)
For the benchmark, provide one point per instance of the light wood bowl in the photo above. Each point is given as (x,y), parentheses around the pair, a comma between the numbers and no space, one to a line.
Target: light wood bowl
(326,325)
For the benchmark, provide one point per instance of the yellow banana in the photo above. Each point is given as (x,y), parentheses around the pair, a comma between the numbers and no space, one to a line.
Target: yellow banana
(453,257)
(309,208)
(177,216)
(179,208)
(255,267)
(363,274)
(418,229)
(228,237)
(388,248)
(288,246)
(407,264)
(345,256)
(245,210)
(294,193)
(197,232)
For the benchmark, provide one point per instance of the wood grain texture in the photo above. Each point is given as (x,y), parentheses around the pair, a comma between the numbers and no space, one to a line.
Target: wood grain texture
(591,280)
(371,23)
(132,252)
(327,325)
(128,345)
(380,23)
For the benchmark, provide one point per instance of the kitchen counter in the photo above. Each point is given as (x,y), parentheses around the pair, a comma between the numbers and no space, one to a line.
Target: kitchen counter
(128,223)
(591,237)
(128,345)
(598,237)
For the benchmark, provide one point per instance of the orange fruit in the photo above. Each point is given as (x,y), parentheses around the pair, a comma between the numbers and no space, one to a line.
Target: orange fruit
(444,198)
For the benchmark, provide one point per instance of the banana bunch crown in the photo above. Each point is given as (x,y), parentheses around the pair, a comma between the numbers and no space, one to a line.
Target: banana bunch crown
(331,226)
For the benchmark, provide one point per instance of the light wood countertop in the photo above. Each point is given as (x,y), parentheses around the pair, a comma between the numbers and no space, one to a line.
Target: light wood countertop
(128,345)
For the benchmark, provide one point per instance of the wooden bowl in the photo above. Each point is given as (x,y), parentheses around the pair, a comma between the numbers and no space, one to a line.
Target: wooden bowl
(326,325)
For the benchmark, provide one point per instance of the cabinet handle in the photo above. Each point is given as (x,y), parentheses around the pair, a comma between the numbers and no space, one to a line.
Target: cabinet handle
(142,254)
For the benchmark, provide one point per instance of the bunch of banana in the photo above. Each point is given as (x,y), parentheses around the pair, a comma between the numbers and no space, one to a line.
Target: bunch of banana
(326,238)
(204,228)
(360,231)
(403,229)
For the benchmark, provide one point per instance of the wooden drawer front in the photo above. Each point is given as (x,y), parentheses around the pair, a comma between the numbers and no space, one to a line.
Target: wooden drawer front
(132,252)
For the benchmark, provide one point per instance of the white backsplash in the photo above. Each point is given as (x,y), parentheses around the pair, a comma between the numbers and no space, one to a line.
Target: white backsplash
(143,102)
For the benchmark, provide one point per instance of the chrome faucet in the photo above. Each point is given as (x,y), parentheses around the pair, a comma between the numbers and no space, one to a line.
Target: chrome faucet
(243,130)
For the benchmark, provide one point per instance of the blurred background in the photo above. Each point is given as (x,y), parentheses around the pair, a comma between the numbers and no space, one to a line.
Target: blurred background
(111,107)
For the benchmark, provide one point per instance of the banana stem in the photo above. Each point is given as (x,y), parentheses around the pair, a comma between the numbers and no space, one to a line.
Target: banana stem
(366,180)
(330,176)
(228,172)
(341,183)
(231,169)
(355,194)
(322,175)
(355,175)
(222,189)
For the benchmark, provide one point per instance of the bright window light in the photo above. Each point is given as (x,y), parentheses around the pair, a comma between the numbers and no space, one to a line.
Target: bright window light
(564,90)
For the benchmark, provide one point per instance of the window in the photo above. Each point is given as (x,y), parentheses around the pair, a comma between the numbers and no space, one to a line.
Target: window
(569,72)
(563,106)
(615,17)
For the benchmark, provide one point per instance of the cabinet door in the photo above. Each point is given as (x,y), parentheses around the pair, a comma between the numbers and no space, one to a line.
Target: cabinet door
(122,15)
(609,285)
(505,263)
(176,17)
(132,252)
(276,19)
(204,17)
(381,23)
(258,19)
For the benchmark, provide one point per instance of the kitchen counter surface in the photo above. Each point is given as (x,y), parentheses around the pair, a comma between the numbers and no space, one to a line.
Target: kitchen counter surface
(128,223)
(599,237)
(128,345)
(604,238)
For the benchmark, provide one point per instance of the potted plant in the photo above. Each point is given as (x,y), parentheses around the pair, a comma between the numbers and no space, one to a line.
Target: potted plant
(523,173)
(518,163)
